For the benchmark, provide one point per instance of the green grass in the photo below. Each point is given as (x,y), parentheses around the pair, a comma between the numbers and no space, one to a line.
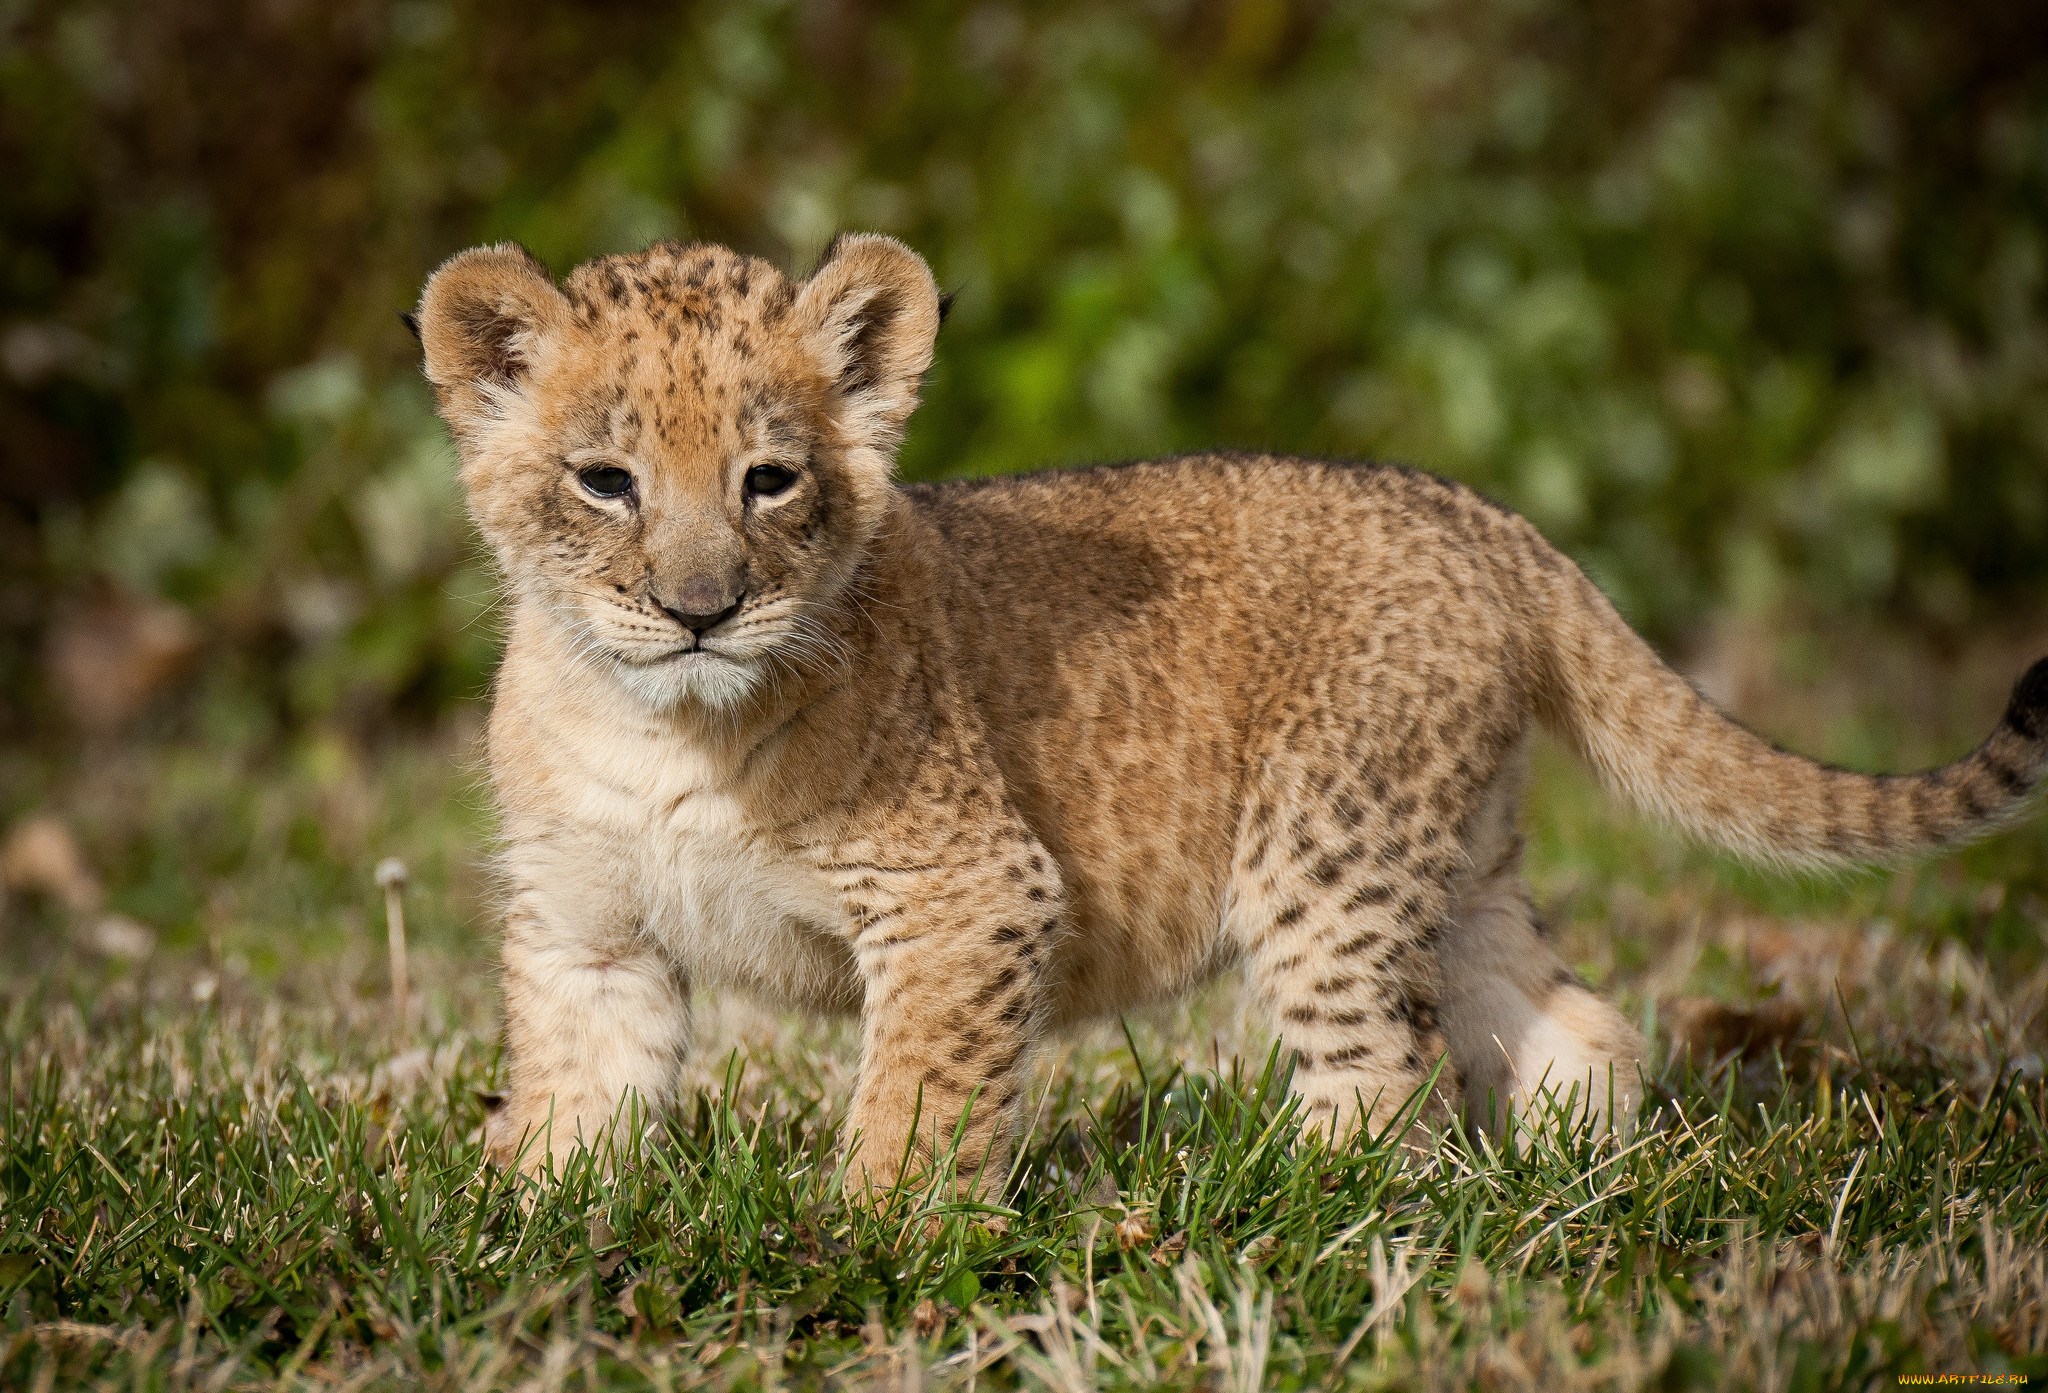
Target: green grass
(231,1192)
(224,1166)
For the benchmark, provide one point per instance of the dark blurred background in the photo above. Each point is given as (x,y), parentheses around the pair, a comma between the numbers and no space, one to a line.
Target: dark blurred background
(1744,303)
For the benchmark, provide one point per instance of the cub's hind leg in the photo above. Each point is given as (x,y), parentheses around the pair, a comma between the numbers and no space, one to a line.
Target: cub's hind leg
(1527,1035)
(1339,941)
(1352,845)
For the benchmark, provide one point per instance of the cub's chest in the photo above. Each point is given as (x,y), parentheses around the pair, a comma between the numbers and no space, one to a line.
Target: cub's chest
(720,891)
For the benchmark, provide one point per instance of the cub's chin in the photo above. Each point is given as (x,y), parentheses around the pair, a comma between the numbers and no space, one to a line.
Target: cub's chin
(696,678)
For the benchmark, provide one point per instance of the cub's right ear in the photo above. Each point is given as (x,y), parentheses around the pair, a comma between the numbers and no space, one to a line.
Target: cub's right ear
(484,319)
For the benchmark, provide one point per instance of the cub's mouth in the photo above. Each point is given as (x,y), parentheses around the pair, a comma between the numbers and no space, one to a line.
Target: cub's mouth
(665,677)
(680,655)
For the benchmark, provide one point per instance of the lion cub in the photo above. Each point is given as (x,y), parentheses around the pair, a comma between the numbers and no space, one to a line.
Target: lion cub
(981,760)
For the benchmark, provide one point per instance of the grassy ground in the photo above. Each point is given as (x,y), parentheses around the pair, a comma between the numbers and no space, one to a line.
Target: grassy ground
(222,1163)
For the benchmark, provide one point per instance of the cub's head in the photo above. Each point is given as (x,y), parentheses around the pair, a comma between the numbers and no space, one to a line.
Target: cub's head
(680,455)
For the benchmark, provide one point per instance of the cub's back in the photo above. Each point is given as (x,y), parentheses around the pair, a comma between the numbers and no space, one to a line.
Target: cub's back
(1241,560)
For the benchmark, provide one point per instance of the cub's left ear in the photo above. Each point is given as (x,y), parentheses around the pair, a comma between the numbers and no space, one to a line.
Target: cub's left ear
(484,319)
(870,313)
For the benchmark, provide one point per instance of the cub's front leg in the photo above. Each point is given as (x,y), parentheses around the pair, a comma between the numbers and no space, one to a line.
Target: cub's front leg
(953,960)
(595,1019)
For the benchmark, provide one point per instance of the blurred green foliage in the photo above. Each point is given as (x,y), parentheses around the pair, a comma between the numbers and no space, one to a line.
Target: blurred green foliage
(1739,302)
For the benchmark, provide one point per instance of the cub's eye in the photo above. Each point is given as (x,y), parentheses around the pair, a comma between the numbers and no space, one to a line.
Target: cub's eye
(767,480)
(606,481)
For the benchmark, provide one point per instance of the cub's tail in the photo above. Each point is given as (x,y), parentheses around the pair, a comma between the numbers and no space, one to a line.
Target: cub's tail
(1661,745)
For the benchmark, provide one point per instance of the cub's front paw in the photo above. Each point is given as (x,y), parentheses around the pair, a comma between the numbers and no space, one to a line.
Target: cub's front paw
(876,1176)
(868,1180)
(539,1136)
(511,1142)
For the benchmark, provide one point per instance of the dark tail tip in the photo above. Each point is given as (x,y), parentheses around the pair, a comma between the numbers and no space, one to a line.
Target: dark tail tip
(2028,711)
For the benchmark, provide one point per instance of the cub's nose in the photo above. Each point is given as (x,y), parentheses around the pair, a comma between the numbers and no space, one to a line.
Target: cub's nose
(701,605)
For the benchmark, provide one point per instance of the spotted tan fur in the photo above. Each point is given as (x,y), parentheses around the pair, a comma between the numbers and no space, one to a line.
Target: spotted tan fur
(980,761)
